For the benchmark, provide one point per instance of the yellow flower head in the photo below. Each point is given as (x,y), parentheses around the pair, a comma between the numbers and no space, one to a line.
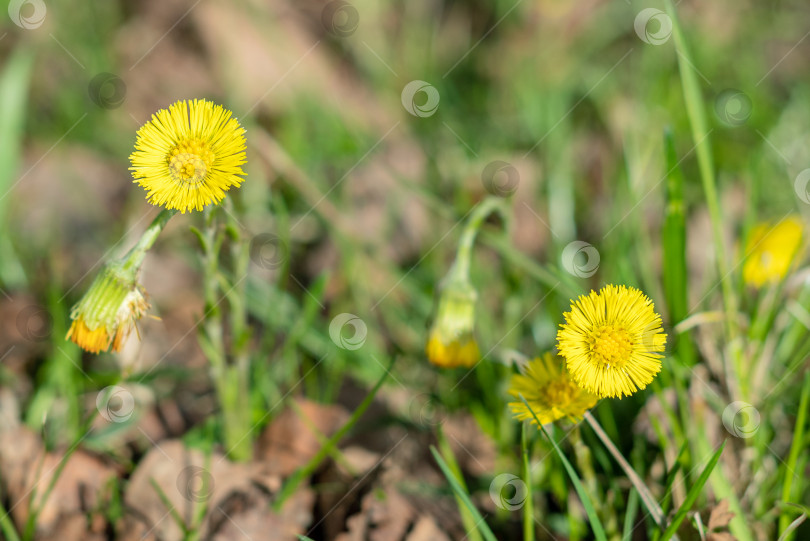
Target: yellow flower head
(771,250)
(611,341)
(108,311)
(188,156)
(451,342)
(550,391)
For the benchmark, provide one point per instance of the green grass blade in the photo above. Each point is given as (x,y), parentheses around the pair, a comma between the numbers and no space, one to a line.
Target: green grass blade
(793,455)
(674,235)
(696,111)
(6,525)
(630,515)
(596,524)
(460,493)
(692,495)
(671,475)
(646,496)
(14,88)
(528,505)
(467,518)
(675,275)
(295,479)
(170,508)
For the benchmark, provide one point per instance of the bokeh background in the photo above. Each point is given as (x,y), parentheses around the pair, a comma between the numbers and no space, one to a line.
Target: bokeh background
(373,128)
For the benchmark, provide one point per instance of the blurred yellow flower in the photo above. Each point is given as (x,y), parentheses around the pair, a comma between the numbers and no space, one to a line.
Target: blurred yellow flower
(451,342)
(611,341)
(108,311)
(188,156)
(771,250)
(549,391)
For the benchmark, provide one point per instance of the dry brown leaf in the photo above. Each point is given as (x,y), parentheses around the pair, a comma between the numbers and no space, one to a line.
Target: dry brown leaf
(720,536)
(426,529)
(385,515)
(720,516)
(79,489)
(236,494)
(474,450)
(289,442)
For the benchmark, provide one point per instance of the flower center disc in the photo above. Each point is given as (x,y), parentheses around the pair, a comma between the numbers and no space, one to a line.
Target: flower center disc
(611,345)
(559,393)
(190,161)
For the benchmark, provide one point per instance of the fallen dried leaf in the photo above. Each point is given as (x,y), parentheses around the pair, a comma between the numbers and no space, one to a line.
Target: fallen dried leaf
(289,441)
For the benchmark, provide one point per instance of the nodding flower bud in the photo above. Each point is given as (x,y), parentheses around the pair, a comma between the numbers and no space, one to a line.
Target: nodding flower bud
(109,310)
(452,342)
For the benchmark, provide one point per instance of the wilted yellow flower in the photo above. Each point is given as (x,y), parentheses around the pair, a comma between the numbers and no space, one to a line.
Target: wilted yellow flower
(189,155)
(452,342)
(108,311)
(550,391)
(771,250)
(611,341)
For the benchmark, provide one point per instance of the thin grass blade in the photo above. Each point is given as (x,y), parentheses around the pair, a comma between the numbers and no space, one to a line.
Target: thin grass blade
(692,495)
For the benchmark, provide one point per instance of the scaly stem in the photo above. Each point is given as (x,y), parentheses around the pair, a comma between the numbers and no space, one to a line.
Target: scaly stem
(461,266)
(134,258)
(230,381)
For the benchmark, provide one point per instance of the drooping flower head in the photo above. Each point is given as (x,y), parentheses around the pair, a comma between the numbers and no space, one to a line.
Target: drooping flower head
(189,155)
(771,250)
(611,341)
(549,391)
(108,312)
(452,342)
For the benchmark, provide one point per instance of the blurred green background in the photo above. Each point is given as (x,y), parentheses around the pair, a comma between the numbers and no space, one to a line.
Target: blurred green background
(353,202)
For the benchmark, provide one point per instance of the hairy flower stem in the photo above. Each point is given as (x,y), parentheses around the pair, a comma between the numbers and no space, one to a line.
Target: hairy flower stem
(231,381)
(460,270)
(134,258)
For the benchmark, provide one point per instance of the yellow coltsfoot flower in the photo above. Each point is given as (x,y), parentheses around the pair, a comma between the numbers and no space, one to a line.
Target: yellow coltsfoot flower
(452,341)
(611,341)
(771,250)
(108,311)
(549,391)
(189,155)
